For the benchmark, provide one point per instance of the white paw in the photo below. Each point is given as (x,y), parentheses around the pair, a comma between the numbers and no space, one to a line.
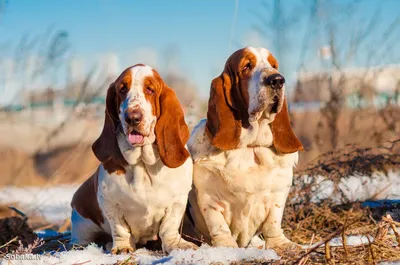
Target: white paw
(226,242)
(122,250)
(280,243)
(182,244)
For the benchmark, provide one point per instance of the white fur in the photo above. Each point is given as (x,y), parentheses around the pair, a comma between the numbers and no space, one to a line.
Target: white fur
(84,229)
(242,192)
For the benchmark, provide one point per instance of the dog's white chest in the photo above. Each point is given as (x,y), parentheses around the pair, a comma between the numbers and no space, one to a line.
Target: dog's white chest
(250,170)
(143,194)
(245,183)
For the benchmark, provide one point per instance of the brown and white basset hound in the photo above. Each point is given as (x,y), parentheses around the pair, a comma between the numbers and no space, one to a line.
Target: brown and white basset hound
(244,154)
(140,190)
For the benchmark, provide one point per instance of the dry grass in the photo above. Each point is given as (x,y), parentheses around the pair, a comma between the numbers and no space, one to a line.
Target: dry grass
(306,222)
(322,223)
(353,159)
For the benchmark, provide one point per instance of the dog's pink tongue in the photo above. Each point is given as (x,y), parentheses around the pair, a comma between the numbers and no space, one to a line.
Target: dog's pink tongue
(135,138)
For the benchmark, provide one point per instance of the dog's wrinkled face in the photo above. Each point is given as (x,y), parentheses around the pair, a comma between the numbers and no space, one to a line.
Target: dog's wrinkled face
(137,88)
(266,87)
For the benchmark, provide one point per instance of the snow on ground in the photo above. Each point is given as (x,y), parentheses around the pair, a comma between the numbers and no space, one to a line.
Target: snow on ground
(378,186)
(52,202)
(350,241)
(353,240)
(204,255)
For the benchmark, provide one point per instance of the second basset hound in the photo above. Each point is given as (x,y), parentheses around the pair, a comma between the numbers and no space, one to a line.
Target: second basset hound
(244,154)
(140,190)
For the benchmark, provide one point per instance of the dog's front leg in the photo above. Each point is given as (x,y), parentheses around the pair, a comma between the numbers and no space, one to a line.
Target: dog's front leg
(170,229)
(122,239)
(221,235)
(271,229)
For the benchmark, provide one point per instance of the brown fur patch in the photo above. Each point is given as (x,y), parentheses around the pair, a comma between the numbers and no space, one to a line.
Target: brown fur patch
(124,83)
(285,141)
(272,61)
(106,147)
(85,201)
(172,132)
(222,127)
(156,84)
(229,100)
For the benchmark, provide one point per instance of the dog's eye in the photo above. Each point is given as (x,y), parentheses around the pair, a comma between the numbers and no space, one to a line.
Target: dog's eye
(123,89)
(149,90)
(248,66)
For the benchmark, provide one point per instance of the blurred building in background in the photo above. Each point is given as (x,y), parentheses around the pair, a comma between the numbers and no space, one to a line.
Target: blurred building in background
(362,87)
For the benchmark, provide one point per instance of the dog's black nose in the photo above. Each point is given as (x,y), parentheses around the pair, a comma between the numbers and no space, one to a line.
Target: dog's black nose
(275,81)
(134,117)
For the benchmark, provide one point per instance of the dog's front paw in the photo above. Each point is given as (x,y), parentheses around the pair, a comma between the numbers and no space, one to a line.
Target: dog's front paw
(225,242)
(122,250)
(187,245)
(182,244)
(281,244)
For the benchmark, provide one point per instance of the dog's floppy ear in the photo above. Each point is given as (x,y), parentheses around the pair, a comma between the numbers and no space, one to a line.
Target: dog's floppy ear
(222,127)
(285,141)
(171,130)
(106,145)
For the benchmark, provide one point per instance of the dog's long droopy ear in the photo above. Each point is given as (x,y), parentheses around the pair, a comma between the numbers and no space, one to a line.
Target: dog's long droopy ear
(285,141)
(222,126)
(106,145)
(172,132)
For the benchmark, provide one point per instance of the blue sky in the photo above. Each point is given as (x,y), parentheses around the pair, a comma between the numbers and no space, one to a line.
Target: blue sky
(206,32)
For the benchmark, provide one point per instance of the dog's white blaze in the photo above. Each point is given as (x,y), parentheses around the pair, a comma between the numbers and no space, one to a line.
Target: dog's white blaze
(257,91)
(136,98)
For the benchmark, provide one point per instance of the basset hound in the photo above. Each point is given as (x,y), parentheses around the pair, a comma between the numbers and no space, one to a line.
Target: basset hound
(244,153)
(140,190)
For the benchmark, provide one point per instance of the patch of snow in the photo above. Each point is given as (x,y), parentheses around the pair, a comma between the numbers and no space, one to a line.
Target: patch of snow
(378,186)
(350,241)
(91,255)
(207,255)
(204,255)
(52,202)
